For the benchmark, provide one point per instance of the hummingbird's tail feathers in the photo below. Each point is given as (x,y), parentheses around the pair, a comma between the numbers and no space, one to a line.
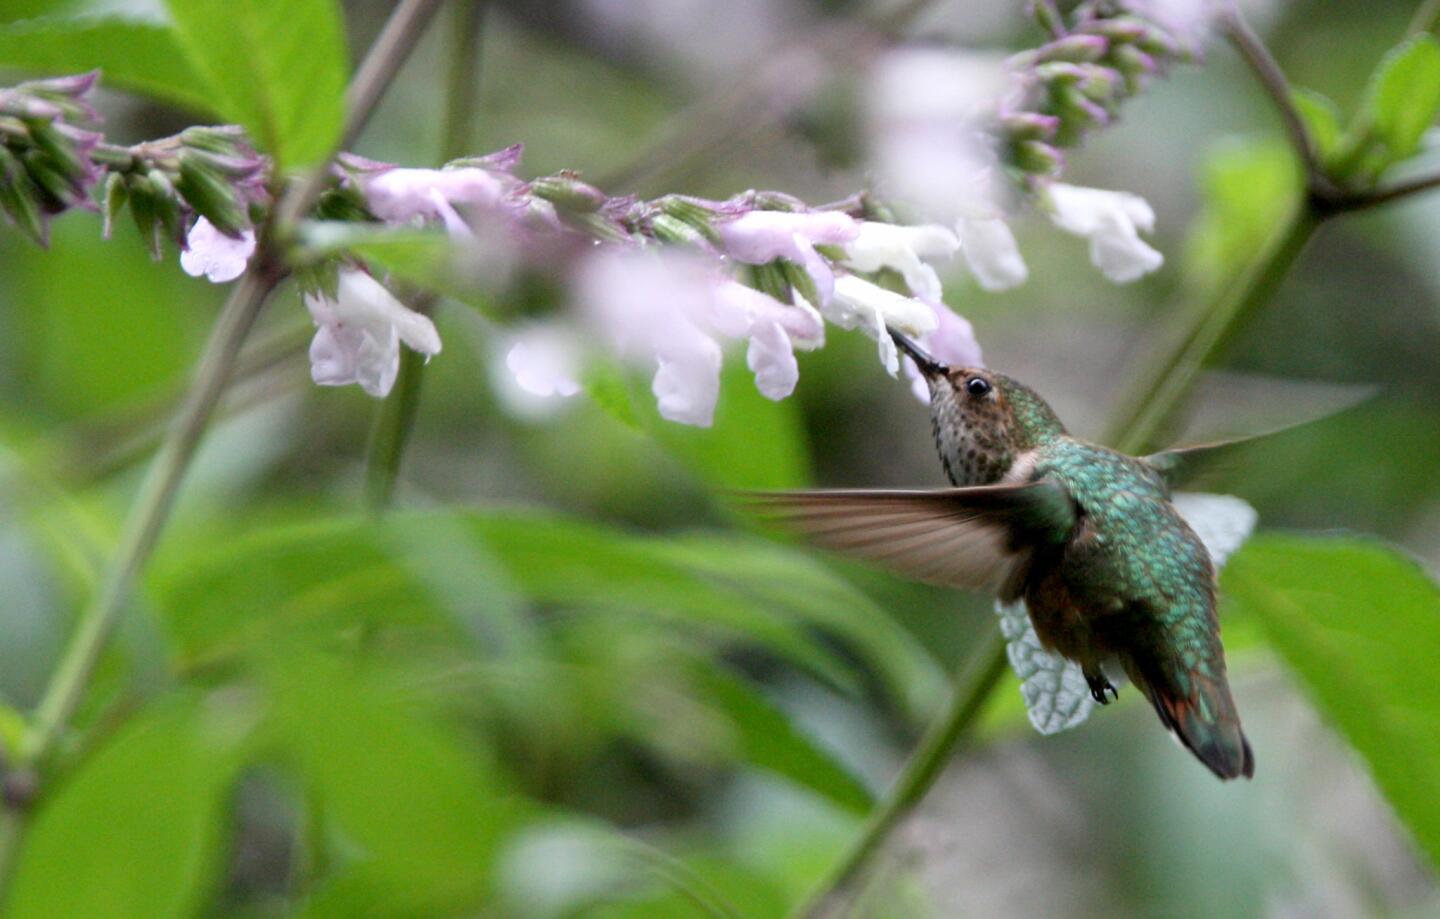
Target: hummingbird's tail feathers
(1204,720)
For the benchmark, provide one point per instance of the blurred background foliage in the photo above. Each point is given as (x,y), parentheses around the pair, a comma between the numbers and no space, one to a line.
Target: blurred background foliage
(564,680)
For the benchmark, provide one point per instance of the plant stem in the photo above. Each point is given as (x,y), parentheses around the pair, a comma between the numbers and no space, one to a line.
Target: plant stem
(973,686)
(395,417)
(147,518)
(1272,79)
(1425,17)
(1143,412)
(151,509)
(394,422)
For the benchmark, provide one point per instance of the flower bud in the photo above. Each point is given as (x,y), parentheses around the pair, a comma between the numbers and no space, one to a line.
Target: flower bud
(117,193)
(568,193)
(800,281)
(145,211)
(1022,126)
(1078,49)
(770,278)
(670,229)
(1047,17)
(694,215)
(167,205)
(19,105)
(1039,158)
(18,196)
(1100,83)
(205,190)
(57,193)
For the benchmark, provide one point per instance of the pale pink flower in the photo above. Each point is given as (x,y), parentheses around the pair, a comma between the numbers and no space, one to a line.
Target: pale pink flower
(410,195)
(926,114)
(358,334)
(645,303)
(871,308)
(774,330)
(991,253)
(758,237)
(1111,220)
(902,248)
(211,253)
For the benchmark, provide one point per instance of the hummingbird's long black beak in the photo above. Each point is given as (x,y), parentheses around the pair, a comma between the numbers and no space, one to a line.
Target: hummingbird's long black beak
(927,364)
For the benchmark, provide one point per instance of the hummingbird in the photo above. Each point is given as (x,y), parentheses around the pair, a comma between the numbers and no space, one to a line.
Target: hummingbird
(1112,576)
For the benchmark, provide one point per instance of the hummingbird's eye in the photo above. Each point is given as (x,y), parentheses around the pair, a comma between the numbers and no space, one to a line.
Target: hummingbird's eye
(977,386)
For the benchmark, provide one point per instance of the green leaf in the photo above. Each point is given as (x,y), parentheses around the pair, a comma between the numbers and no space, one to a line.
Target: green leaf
(421,815)
(793,581)
(767,740)
(224,600)
(137,829)
(1404,95)
(1322,120)
(278,67)
(141,57)
(1360,626)
(1249,188)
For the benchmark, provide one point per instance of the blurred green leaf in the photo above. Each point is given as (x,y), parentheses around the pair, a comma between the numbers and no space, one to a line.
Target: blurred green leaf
(417,816)
(1249,187)
(1360,625)
(1404,95)
(1322,120)
(319,578)
(768,740)
(605,385)
(137,829)
(278,67)
(141,57)
(220,600)
(792,580)
(104,326)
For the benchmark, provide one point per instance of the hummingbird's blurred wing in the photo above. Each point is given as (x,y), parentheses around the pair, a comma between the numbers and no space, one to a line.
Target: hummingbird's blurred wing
(1203,463)
(973,538)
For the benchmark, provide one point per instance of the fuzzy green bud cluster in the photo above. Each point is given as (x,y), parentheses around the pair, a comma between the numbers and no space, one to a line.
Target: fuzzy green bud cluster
(1100,54)
(46,164)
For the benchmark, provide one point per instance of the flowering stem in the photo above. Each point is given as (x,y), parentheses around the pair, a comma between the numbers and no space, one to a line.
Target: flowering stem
(1268,73)
(151,510)
(973,685)
(395,417)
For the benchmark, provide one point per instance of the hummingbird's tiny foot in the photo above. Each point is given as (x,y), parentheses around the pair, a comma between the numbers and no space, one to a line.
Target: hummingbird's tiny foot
(1099,685)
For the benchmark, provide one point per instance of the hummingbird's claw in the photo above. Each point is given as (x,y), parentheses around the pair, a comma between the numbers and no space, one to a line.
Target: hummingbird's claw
(927,364)
(1099,685)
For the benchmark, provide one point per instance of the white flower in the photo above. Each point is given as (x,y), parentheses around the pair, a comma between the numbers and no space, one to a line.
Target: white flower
(1111,221)
(860,304)
(358,335)
(885,245)
(758,237)
(536,368)
(667,307)
(991,253)
(952,343)
(926,111)
(646,303)
(215,255)
(774,329)
(407,195)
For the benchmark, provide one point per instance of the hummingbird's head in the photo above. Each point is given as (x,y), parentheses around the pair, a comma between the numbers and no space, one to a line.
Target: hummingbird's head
(983,420)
